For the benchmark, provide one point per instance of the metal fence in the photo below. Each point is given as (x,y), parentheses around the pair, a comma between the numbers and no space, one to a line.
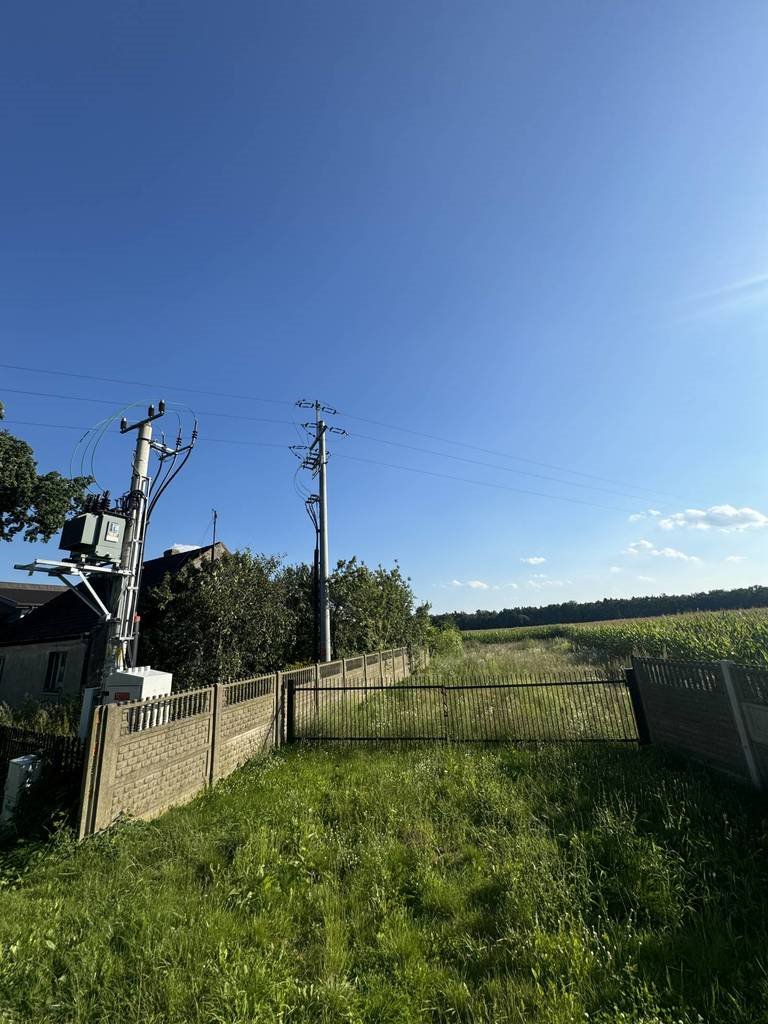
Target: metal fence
(62,754)
(487,710)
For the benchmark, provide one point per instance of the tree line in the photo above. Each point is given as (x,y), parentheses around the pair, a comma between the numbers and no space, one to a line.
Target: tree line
(608,608)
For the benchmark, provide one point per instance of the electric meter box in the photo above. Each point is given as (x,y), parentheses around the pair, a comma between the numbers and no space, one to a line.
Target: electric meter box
(129,684)
(98,534)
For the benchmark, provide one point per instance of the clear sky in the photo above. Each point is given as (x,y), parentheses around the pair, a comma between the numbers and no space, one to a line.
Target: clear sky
(539,229)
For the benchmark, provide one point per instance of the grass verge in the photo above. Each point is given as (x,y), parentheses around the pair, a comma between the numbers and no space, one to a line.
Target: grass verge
(433,884)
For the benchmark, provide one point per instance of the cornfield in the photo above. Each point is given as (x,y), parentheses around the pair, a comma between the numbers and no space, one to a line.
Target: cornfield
(739,635)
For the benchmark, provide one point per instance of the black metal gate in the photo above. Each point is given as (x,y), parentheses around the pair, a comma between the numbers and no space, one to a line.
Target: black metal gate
(482,711)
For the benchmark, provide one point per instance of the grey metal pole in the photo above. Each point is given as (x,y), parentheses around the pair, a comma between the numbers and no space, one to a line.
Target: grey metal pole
(325,616)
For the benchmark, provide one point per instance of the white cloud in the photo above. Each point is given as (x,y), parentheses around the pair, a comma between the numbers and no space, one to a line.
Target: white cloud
(180,548)
(735,558)
(646,579)
(615,568)
(456,583)
(506,586)
(639,547)
(540,575)
(539,584)
(652,513)
(727,518)
(534,560)
(477,585)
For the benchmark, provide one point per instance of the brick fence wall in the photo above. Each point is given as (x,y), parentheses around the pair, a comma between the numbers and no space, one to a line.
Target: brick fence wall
(145,757)
(716,712)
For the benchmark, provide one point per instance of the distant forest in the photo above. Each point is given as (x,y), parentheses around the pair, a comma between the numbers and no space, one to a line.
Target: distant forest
(609,608)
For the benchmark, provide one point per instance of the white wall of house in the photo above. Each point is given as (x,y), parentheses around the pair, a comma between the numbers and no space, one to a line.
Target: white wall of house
(30,671)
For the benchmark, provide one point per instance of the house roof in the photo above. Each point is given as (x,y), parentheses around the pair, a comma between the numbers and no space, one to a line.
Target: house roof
(28,595)
(67,616)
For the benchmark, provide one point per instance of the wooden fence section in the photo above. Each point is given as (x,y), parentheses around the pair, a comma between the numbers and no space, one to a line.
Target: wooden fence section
(145,757)
(715,712)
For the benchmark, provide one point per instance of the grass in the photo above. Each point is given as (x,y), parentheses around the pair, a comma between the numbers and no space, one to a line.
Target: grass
(438,884)
(739,635)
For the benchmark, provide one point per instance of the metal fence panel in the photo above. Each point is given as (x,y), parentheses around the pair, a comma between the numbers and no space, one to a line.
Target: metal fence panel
(480,712)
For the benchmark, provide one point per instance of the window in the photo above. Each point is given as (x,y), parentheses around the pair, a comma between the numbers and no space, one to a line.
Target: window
(57,666)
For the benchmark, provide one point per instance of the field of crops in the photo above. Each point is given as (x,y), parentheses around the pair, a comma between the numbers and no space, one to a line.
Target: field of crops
(740,635)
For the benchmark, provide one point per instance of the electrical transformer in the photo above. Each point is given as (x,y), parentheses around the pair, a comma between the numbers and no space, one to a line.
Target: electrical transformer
(97,535)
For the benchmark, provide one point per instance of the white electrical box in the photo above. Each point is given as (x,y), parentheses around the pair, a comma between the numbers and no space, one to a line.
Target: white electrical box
(22,772)
(141,683)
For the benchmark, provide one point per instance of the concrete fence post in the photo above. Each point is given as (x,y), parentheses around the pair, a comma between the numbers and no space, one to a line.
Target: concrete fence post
(365,671)
(277,737)
(343,671)
(638,708)
(105,777)
(381,669)
(738,718)
(219,699)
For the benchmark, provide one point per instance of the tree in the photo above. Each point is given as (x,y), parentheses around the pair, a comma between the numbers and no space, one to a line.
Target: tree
(249,614)
(36,504)
(222,620)
(371,609)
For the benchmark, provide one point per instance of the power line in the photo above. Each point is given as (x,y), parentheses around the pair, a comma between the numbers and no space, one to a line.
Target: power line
(141,384)
(349,416)
(113,403)
(359,419)
(490,465)
(374,462)
(504,455)
(483,483)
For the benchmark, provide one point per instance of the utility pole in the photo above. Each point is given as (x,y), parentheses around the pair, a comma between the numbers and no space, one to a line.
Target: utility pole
(125,589)
(89,537)
(316,460)
(213,545)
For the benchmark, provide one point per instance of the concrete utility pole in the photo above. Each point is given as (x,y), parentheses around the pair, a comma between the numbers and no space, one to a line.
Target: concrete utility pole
(125,590)
(316,460)
(325,613)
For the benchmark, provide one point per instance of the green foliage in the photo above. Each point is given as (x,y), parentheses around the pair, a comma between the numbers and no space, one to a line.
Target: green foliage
(409,887)
(60,719)
(245,614)
(36,504)
(371,609)
(740,635)
(221,620)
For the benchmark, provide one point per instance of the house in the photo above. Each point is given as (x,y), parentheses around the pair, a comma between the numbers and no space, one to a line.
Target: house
(57,649)
(18,599)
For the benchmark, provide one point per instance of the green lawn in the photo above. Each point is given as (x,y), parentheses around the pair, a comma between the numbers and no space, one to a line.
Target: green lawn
(430,884)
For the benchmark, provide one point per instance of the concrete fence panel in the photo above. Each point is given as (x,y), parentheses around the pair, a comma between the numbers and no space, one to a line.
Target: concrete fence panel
(147,756)
(715,712)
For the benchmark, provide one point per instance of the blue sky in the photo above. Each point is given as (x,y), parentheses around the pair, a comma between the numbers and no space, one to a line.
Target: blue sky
(537,228)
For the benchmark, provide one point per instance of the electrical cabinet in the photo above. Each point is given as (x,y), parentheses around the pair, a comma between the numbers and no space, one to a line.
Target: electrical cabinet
(142,683)
(98,535)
